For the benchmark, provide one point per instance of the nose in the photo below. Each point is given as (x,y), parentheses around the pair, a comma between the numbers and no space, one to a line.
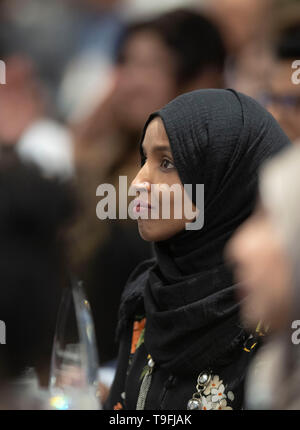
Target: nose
(141,183)
(141,187)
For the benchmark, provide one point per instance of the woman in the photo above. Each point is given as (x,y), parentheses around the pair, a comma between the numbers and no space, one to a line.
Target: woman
(158,60)
(266,254)
(181,341)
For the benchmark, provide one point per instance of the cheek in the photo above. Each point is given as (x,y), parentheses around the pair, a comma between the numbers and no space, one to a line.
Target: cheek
(267,275)
(258,253)
(168,208)
(166,88)
(264,271)
(279,288)
(176,204)
(270,296)
(274,266)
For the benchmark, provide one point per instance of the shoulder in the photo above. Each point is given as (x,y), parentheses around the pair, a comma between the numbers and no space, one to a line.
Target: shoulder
(132,300)
(136,281)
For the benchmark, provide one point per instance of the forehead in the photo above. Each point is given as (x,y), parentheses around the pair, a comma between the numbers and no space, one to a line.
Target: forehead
(156,134)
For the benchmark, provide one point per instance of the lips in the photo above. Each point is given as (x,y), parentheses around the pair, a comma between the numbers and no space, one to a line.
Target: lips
(140,205)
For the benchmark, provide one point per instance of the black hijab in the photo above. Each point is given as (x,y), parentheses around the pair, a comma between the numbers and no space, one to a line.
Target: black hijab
(218,138)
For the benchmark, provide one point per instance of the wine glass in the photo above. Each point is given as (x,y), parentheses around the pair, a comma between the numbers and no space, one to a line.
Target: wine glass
(74,373)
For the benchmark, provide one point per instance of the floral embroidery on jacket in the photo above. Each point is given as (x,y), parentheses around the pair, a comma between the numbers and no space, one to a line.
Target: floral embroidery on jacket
(138,334)
(214,396)
(136,340)
(118,406)
(211,394)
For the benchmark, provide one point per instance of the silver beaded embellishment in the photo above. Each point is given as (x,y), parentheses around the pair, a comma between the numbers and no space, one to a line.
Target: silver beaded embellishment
(145,386)
(195,403)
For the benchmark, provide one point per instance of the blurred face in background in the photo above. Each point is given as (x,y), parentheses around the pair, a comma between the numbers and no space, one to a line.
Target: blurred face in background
(263,271)
(283,98)
(22,100)
(145,79)
(239,20)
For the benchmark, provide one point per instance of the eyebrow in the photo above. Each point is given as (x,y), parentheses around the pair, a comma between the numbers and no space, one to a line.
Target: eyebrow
(159,149)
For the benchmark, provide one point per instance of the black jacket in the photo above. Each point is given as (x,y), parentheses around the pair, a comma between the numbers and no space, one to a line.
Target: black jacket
(169,391)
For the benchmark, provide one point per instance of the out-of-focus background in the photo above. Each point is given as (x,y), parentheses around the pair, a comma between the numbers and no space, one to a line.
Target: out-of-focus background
(81,78)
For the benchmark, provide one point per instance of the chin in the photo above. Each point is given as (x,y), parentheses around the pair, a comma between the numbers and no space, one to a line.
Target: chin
(151,233)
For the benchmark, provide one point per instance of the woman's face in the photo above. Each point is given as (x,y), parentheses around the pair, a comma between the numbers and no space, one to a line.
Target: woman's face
(159,173)
(263,270)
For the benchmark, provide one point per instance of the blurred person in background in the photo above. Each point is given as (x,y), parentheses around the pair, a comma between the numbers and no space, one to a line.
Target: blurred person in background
(62,35)
(42,31)
(157,60)
(265,253)
(245,26)
(27,120)
(97,28)
(282,93)
(34,214)
(142,9)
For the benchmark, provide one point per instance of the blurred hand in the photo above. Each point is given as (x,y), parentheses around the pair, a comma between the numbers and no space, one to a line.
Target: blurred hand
(73,376)
(103,392)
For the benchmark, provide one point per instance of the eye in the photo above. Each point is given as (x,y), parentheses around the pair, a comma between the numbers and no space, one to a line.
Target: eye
(167,164)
